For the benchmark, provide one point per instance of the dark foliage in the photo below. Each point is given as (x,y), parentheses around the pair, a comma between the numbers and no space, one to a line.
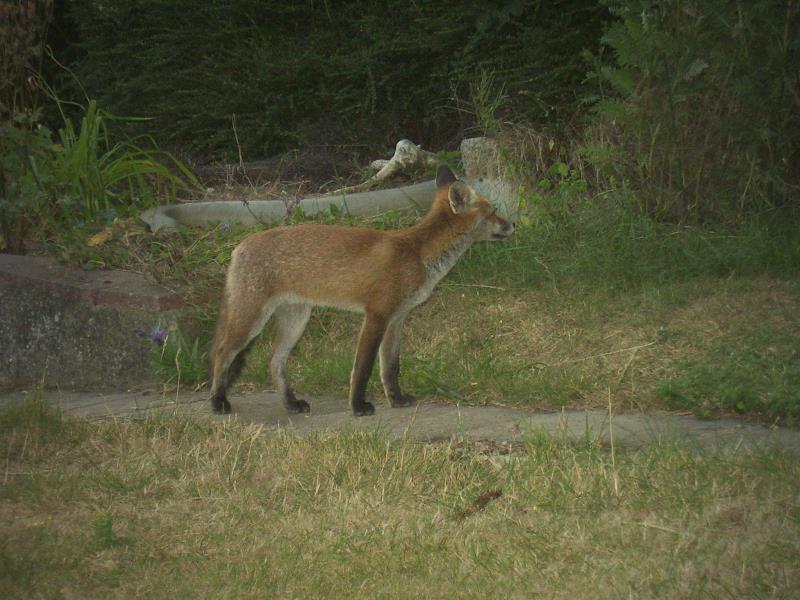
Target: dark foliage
(23,27)
(702,105)
(305,73)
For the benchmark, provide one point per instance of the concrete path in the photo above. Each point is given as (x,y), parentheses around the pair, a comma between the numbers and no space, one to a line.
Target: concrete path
(429,421)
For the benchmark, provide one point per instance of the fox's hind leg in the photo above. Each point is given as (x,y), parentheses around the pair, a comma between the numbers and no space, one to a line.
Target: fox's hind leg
(291,321)
(389,354)
(234,334)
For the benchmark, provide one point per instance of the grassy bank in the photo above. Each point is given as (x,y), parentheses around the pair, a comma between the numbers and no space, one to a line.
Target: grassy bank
(582,302)
(174,507)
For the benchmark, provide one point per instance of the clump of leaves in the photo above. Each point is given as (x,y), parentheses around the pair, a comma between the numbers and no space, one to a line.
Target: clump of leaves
(22,197)
(88,174)
(691,118)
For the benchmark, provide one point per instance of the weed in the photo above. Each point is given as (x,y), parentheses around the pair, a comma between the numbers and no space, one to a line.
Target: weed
(176,359)
(89,175)
(70,187)
(40,422)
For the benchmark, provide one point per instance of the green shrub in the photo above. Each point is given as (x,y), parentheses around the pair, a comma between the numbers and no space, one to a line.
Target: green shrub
(22,31)
(20,145)
(23,28)
(85,178)
(700,107)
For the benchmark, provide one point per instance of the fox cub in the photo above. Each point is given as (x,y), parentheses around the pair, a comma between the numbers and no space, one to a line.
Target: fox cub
(283,272)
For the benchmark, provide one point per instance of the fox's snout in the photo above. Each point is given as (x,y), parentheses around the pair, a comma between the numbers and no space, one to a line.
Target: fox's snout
(501,228)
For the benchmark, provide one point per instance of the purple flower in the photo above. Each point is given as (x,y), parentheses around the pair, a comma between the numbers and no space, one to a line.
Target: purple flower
(158,336)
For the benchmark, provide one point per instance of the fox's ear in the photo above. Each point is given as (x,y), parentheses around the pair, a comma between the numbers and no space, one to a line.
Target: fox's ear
(460,196)
(444,176)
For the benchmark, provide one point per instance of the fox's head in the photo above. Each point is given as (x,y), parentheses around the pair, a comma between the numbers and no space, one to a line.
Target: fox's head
(475,212)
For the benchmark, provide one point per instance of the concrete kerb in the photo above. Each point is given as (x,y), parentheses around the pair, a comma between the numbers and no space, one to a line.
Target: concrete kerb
(416,197)
(432,422)
(485,171)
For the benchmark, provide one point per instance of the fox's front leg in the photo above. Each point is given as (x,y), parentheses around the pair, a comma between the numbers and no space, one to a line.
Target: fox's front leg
(368,342)
(390,364)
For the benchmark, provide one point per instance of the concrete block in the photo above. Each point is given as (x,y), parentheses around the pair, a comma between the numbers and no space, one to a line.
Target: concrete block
(488,172)
(75,329)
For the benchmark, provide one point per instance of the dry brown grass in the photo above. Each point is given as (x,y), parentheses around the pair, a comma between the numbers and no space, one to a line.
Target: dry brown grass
(532,334)
(178,508)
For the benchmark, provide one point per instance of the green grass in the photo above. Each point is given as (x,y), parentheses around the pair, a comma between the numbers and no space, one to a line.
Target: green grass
(175,507)
(753,375)
(605,248)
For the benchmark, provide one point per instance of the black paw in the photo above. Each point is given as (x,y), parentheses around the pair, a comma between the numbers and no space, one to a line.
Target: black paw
(363,409)
(402,400)
(295,406)
(220,405)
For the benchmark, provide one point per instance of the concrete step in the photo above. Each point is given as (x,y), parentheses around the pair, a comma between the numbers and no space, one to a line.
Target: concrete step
(75,329)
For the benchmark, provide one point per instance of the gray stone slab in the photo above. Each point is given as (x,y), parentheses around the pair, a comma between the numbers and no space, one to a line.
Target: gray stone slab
(430,421)
(120,289)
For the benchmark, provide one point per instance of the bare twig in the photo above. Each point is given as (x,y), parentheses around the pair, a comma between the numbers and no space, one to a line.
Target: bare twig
(244,201)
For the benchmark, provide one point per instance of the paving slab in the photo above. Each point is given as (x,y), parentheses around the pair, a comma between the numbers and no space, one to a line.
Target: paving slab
(428,421)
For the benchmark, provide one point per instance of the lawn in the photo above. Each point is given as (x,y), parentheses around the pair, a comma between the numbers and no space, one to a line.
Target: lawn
(171,507)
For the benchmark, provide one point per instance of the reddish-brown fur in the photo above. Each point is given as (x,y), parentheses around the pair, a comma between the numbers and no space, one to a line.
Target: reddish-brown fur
(282,272)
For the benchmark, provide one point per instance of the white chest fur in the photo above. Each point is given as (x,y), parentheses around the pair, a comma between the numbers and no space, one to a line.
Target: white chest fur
(436,269)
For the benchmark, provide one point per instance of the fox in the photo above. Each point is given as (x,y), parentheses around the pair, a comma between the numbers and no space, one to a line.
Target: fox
(282,273)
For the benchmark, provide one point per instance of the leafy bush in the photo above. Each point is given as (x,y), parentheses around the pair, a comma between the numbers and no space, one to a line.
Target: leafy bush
(21,194)
(21,46)
(87,173)
(22,36)
(84,177)
(327,73)
(701,106)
